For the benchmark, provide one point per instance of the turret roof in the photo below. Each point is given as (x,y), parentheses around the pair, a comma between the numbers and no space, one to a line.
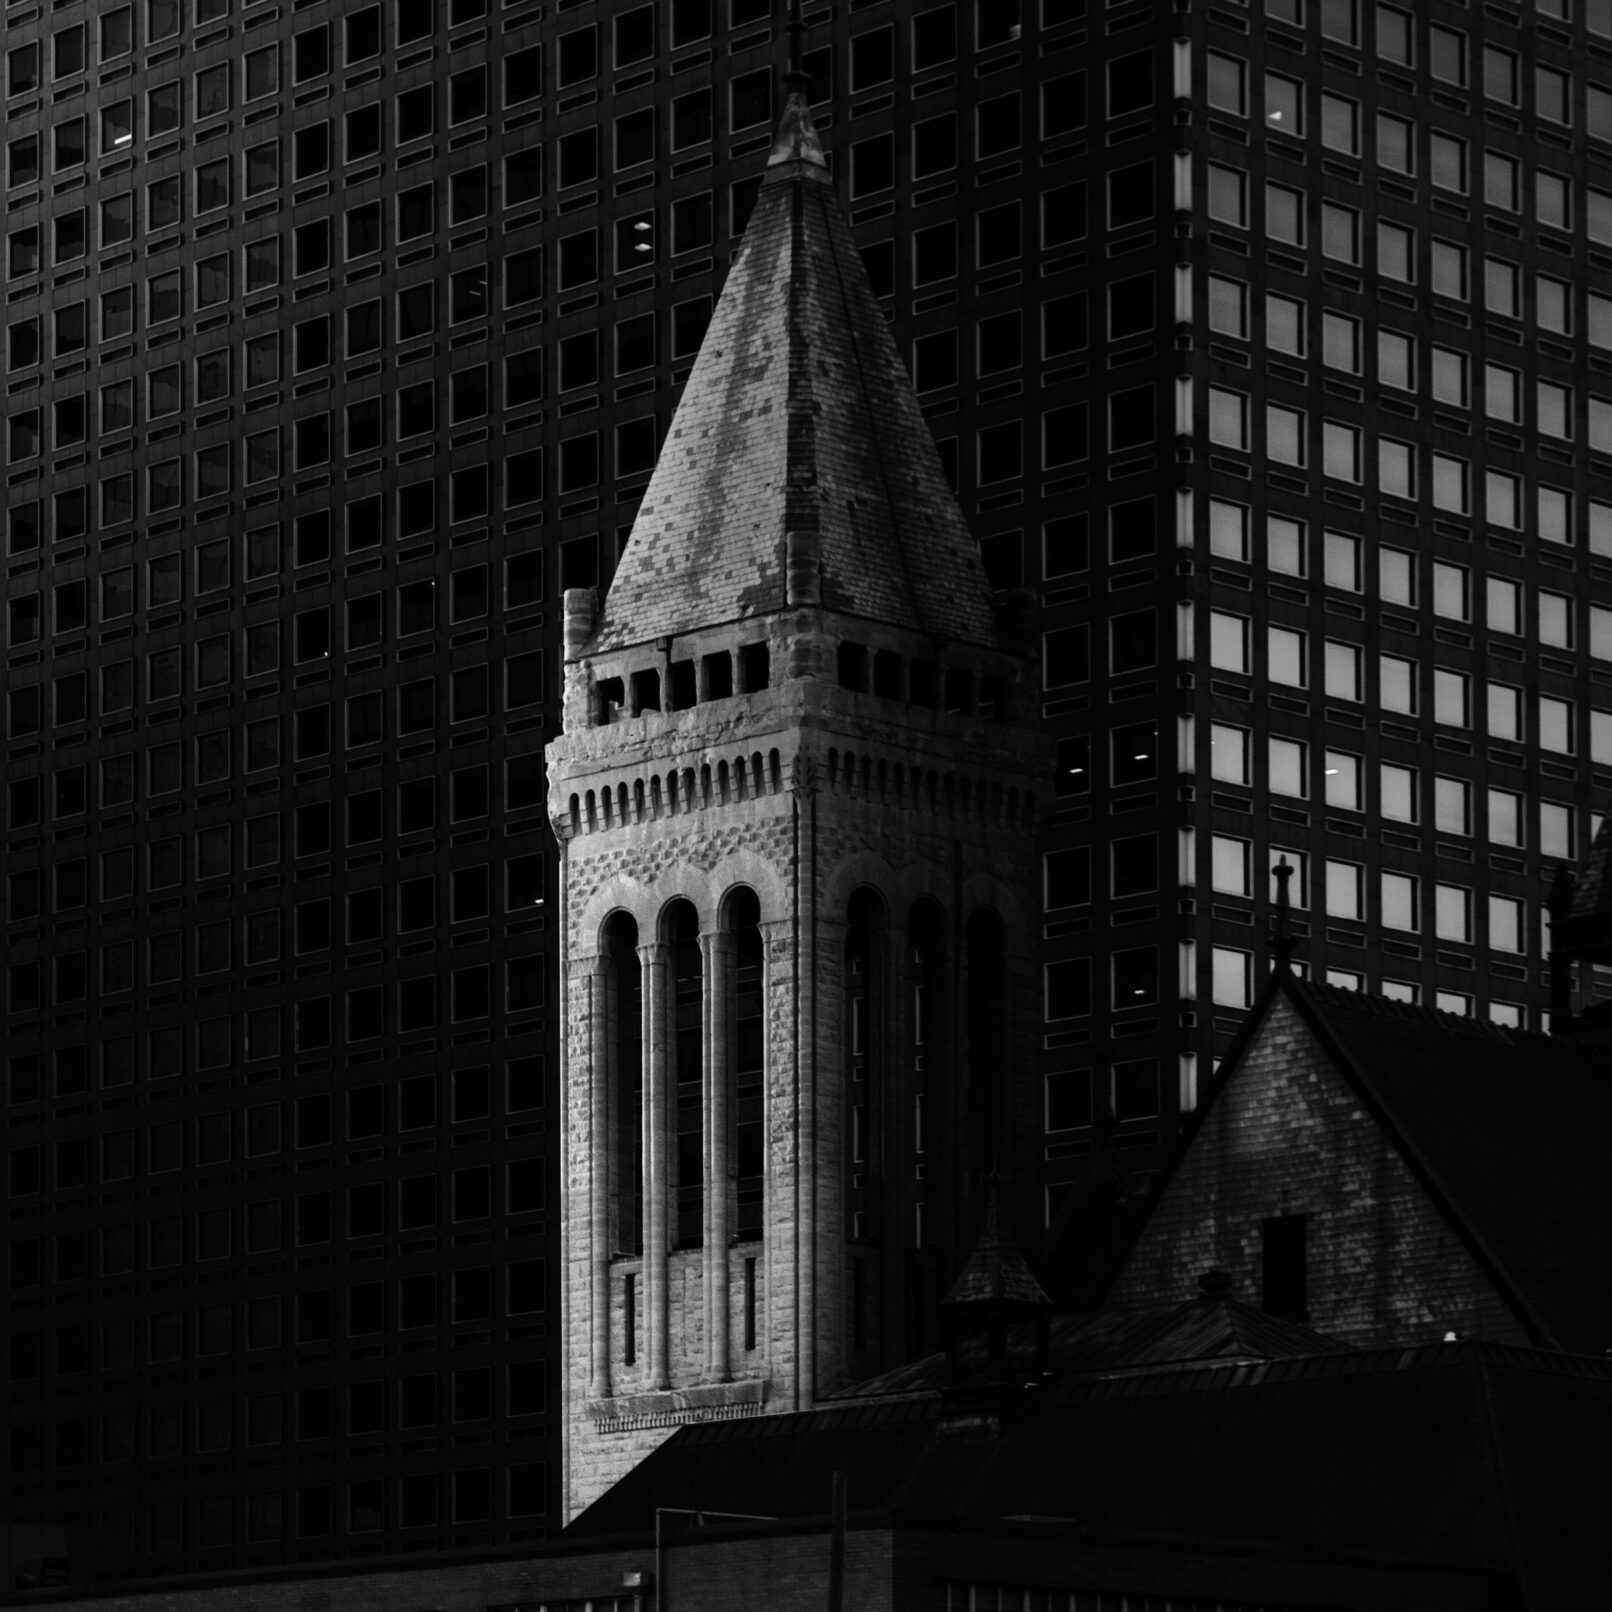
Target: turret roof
(798,416)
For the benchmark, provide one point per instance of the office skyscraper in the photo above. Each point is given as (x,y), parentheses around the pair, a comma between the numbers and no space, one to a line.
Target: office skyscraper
(1265,341)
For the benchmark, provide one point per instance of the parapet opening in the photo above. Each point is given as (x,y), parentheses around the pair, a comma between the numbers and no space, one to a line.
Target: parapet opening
(612,696)
(645,691)
(959,690)
(718,670)
(853,659)
(887,674)
(685,685)
(755,667)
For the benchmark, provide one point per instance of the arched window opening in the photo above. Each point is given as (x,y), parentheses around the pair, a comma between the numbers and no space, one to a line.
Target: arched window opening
(928,1215)
(682,931)
(624,1049)
(749,1062)
(987,1055)
(864,1053)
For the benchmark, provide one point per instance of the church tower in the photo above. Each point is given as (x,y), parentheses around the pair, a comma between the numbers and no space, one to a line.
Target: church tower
(797,800)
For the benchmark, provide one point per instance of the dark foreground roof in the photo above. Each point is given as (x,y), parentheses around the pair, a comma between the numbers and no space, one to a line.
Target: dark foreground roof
(1473,1453)
(1212,1327)
(1507,1129)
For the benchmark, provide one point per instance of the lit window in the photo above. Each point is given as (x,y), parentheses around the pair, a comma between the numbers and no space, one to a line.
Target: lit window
(1228,418)
(1446,54)
(1555,410)
(1401,893)
(1502,181)
(1453,913)
(1396,143)
(1340,341)
(1228,195)
(1396,359)
(1451,477)
(1396,468)
(1289,767)
(1340,446)
(1451,591)
(1342,773)
(1397,684)
(1447,161)
(1506,924)
(1284,324)
(1452,805)
(1505,711)
(1343,671)
(1284,214)
(1345,890)
(1284,105)
(1285,434)
(1396,252)
(1448,264)
(1228,84)
(1228,307)
(1228,753)
(1285,545)
(1228,538)
(1228,642)
(1340,124)
(1286,657)
(1506,818)
(1556,725)
(1452,697)
(1398,787)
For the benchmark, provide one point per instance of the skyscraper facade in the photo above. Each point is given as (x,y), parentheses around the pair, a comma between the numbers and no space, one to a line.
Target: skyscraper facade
(1264,341)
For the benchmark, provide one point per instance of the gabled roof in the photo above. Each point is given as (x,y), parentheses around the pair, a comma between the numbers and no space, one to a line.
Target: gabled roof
(1505,1128)
(798,416)
(1466,1452)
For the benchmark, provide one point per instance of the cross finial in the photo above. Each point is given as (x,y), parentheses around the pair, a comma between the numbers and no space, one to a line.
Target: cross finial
(1282,942)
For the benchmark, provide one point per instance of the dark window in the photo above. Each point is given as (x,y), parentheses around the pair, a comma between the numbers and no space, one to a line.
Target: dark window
(1283,1260)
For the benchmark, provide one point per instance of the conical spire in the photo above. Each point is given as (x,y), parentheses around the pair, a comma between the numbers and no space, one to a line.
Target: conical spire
(798,416)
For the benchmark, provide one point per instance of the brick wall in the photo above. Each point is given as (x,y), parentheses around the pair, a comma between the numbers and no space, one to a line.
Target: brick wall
(1289,1136)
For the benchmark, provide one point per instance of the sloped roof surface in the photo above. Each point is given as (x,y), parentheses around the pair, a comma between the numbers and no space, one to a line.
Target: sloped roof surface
(1116,1339)
(798,416)
(1592,892)
(1461,1452)
(1509,1128)
(995,1271)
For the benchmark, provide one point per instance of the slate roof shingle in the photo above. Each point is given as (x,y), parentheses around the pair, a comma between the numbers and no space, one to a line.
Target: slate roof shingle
(1507,1127)
(798,415)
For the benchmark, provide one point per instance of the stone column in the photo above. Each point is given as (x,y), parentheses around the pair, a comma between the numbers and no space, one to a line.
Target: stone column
(717,1009)
(653,961)
(602,1008)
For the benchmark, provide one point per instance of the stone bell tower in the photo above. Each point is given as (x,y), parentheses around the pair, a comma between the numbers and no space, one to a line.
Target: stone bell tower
(797,800)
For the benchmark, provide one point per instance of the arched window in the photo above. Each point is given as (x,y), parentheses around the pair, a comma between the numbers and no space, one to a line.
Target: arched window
(929,1168)
(681,929)
(624,1049)
(987,1055)
(742,918)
